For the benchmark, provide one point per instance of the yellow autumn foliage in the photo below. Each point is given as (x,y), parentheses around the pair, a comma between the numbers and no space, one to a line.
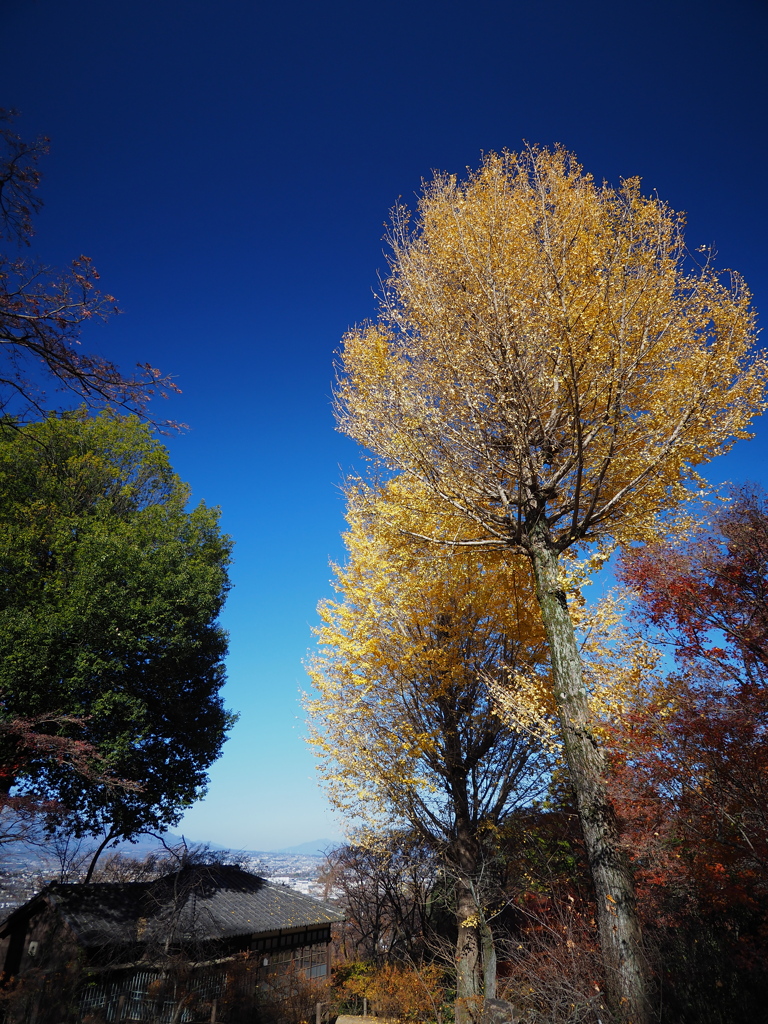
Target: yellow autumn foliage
(550,364)
(408,658)
(547,345)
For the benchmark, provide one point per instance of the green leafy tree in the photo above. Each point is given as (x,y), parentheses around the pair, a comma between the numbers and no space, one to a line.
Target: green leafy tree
(109,636)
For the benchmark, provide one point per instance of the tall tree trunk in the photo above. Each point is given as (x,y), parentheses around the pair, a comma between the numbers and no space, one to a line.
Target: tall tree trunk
(475,955)
(488,949)
(469,993)
(626,978)
(475,949)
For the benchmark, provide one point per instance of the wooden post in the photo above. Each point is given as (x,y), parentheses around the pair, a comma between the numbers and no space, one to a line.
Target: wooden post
(213,1010)
(318,1013)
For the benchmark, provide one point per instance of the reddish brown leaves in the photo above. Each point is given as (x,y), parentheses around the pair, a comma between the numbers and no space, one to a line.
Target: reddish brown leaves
(691,781)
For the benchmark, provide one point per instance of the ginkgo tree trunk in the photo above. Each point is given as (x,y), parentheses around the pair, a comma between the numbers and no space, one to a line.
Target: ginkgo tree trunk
(403,717)
(551,363)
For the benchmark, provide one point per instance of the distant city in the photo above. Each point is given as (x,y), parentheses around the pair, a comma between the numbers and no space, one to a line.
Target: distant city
(26,868)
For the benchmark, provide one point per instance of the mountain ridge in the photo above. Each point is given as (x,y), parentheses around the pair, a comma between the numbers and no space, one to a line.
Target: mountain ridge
(20,855)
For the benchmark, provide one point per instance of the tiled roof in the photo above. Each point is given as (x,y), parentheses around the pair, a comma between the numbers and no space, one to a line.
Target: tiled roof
(198,902)
(99,914)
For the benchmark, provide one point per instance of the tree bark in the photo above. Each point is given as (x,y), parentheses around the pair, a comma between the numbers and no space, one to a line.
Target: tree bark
(488,951)
(475,954)
(627,984)
(475,949)
(469,994)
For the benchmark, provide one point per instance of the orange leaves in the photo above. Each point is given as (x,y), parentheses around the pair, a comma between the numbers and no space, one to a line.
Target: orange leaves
(395,991)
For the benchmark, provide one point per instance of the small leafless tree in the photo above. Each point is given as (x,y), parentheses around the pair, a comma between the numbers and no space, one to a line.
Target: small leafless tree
(385,895)
(42,311)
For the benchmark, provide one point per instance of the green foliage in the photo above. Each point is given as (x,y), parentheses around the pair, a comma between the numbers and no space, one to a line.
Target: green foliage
(109,601)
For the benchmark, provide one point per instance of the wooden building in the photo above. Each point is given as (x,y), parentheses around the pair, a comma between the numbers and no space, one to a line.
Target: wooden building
(203,943)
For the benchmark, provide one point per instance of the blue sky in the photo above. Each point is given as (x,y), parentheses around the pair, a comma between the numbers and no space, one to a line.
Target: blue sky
(229,168)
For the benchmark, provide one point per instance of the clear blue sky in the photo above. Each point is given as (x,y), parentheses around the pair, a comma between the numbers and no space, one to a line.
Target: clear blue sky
(229,167)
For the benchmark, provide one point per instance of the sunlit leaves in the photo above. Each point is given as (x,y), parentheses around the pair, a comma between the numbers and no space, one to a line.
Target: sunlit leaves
(409,654)
(110,591)
(545,342)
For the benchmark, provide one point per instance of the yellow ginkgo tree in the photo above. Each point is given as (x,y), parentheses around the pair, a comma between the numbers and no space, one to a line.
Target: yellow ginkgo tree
(552,363)
(403,718)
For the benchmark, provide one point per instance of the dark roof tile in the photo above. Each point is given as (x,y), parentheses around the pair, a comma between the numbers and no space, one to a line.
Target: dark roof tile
(197,903)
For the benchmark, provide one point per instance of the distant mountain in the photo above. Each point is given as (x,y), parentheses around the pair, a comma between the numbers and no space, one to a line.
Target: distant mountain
(315,848)
(20,856)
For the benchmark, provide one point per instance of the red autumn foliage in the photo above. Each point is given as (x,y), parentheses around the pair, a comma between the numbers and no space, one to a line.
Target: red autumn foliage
(690,769)
(25,743)
(708,596)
